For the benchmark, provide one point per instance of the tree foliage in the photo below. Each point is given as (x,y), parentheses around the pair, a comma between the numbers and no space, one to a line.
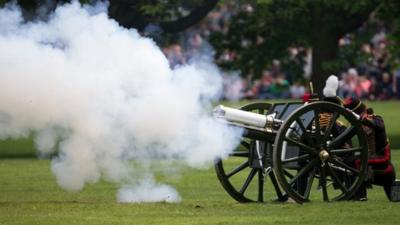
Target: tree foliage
(263,30)
(389,13)
(168,15)
(267,31)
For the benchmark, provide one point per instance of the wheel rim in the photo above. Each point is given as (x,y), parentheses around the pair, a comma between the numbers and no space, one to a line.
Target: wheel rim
(243,183)
(308,150)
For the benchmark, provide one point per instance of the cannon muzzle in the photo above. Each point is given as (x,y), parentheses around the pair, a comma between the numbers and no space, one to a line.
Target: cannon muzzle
(266,123)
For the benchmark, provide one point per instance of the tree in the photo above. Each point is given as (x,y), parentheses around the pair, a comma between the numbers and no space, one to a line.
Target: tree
(168,15)
(261,30)
(389,13)
(265,33)
(32,9)
(140,13)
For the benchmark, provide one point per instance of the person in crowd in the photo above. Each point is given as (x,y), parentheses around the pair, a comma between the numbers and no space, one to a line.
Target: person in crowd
(396,83)
(385,87)
(297,90)
(363,87)
(280,87)
(347,84)
(264,88)
(175,55)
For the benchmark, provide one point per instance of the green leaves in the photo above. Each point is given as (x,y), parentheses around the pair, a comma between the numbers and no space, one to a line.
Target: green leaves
(281,24)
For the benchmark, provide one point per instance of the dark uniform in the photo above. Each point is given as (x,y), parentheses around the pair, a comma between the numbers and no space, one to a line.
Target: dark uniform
(381,169)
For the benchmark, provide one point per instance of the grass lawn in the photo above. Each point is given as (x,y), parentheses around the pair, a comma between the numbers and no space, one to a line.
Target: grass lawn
(29,195)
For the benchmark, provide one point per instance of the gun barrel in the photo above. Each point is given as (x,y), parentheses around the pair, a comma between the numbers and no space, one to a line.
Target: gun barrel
(266,123)
(240,116)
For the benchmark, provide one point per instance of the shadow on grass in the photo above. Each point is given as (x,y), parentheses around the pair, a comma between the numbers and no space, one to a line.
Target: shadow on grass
(394,141)
(49,202)
(17,148)
(17,156)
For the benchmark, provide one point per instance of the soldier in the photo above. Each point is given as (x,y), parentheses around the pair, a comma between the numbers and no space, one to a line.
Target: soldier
(383,172)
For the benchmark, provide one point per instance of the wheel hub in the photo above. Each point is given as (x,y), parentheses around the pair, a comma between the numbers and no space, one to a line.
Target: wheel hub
(323,155)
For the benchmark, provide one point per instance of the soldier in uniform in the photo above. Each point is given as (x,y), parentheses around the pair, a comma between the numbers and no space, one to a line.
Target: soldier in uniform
(382,170)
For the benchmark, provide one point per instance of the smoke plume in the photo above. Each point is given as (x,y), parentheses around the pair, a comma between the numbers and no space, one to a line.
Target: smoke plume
(103,96)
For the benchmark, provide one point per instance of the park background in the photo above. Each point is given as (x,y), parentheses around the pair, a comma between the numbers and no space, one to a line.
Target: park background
(268,51)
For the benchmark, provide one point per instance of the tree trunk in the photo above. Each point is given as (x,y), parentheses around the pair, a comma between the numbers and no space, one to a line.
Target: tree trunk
(127,13)
(324,52)
(196,15)
(328,26)
(325,47)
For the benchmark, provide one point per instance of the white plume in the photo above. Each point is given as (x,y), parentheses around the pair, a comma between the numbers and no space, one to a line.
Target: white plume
(105,98)
(331,86)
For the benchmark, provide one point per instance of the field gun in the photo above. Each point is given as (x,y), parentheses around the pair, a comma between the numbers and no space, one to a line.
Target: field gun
(292,145)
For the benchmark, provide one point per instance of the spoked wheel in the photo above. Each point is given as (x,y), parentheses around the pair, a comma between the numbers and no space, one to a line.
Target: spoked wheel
(243,173)
(321,147)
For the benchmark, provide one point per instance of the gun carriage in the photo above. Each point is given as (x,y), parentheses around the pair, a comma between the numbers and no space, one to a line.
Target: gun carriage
(305,151)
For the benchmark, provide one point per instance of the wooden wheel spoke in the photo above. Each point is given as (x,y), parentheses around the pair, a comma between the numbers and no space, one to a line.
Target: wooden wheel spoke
(276,185)
(248,180)
(337,180)
(238,169)
(304,129)
(301,125)
(297,158)
(324,184)
(304,170)
(330,126)
(240,154)
(310,181)
(288,174)
(317,125)
(301,145)
(346,150)
(343,137)
(345,166)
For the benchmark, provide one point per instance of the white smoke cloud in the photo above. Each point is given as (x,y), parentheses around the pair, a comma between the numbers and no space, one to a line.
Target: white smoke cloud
(148,191)
(104,96)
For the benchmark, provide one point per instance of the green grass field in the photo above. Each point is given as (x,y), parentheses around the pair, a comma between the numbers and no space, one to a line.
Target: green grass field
(29,195)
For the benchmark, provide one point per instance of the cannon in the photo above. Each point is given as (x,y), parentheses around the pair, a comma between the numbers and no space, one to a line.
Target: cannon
(306,151)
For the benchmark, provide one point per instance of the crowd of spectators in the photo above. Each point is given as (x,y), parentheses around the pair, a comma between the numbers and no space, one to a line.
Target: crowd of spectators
(193,42)
(372,79)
